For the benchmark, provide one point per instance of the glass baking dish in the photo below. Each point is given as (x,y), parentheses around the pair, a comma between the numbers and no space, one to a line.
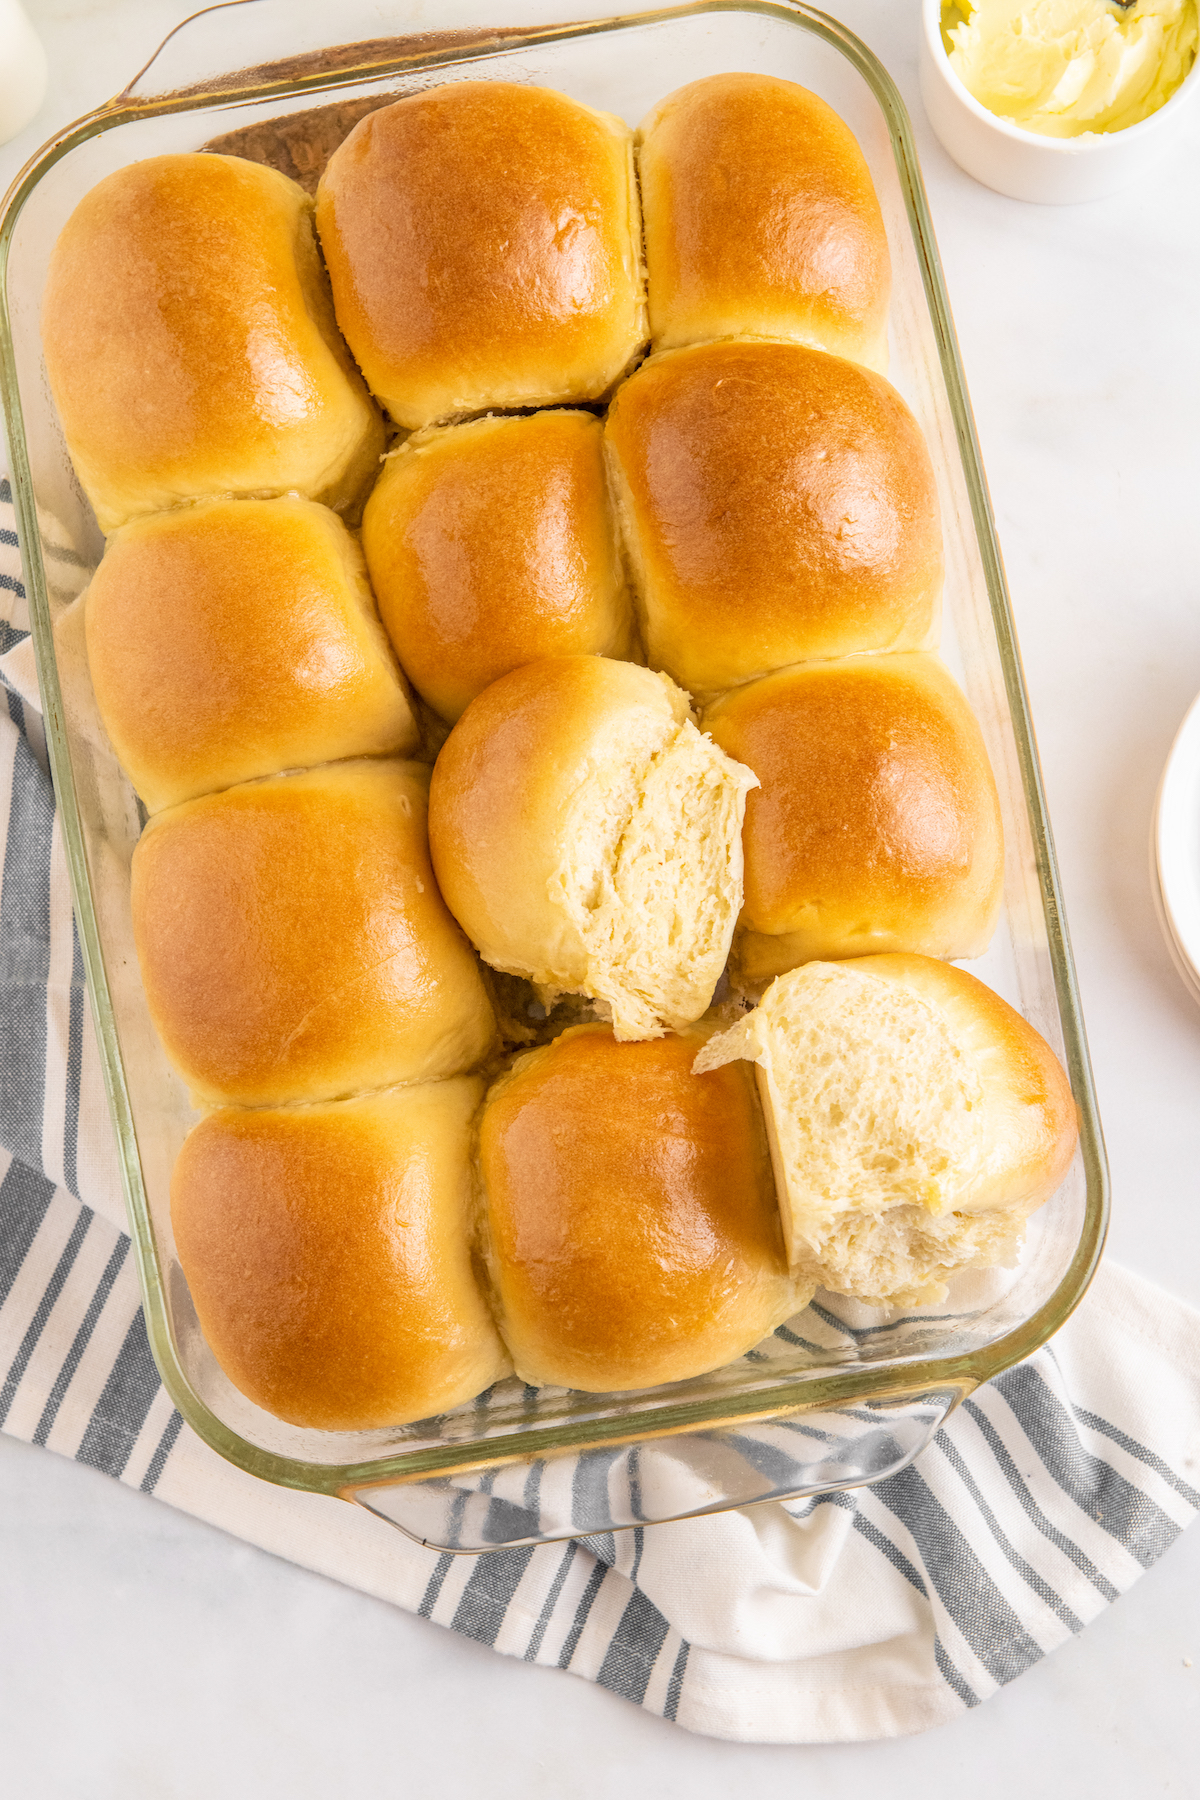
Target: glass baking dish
(842,1394)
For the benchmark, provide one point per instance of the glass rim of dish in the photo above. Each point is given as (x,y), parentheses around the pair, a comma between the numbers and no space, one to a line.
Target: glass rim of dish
(881,1384)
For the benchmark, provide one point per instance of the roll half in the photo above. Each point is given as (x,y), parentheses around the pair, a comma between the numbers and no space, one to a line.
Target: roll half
(483,243)
(916,1121)
(328,1250)
(293,943)
(237,638)
(778,505)
(761,220)
(587,837)
(876,825)
(191,344)
(463,601)
(632,1228)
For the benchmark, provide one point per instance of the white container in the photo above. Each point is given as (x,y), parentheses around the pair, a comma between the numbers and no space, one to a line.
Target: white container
(1024,164)
(22,70)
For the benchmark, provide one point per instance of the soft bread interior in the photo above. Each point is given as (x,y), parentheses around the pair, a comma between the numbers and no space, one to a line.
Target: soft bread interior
(906,1258)
(651,877)
(877,1115)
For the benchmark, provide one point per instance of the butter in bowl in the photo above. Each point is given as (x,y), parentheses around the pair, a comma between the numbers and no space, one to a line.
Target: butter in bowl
(1057,100)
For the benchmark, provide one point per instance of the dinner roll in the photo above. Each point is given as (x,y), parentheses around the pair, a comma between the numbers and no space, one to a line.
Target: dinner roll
(191,344)
(293,943)
(778,505)
(237,638)
(761,221)
(633,1232)
(328,1253)
(465,601)
(916,1121)
(588,838)
(876,826)
(482,239)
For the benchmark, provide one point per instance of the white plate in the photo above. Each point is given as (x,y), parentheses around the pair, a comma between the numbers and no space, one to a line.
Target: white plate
(1175,851)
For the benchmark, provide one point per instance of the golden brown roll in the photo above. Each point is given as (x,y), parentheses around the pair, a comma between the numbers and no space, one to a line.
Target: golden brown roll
(916,1121)
(236,638)
(483,244)
(633,1230)
(587,837)
(778,505)
(293,943)
(876,826)
(191,344)
(492,544)
(761,220)
(328,1253)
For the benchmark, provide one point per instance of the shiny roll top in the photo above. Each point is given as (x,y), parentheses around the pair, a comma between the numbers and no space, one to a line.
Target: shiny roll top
(482,240)
(293,943)
(191,344)
(492,544)
(328,1253)
(761,220)
(632,1229)
(236,638)
(876,825)
(778,505)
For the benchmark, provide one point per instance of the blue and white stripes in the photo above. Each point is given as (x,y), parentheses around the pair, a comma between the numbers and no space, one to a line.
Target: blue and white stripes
(78,1374)
(853,1616)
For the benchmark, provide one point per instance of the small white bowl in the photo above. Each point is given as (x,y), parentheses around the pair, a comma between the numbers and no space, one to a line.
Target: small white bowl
(1024,164)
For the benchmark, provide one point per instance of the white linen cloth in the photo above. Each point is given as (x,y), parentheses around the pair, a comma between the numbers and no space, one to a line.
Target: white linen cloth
(852,1616)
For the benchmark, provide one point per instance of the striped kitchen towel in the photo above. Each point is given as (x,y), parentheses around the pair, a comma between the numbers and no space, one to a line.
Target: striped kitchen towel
(853,1616)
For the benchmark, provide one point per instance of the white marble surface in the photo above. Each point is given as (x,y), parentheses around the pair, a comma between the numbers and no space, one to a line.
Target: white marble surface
(143,1654)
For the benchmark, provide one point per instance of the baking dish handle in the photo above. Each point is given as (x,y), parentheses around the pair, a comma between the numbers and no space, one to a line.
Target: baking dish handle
(252,44)
(235,43)
(588,1494)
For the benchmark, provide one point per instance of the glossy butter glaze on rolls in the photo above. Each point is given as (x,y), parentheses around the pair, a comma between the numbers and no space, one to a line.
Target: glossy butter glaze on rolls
(293,944)
(492,544)
(876,825)
(236,638)
(587,837)
(778,505)
(633,1232)
(916,1121)
(328,1253)
(191,344)
(761,220)
(483,242)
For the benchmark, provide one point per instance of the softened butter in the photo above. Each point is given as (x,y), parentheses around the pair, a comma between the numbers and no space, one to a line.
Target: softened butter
(1066,67)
